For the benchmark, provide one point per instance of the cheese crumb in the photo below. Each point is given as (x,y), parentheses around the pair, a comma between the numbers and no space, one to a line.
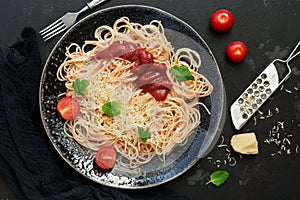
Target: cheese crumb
(244,143)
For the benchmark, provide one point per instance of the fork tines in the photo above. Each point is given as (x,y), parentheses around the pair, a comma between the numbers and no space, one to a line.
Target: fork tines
(53,29)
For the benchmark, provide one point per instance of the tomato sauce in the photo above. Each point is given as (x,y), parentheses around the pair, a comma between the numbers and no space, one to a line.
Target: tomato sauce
(152,76)
(116,50)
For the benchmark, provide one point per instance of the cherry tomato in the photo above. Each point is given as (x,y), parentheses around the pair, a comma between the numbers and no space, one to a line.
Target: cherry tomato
(106,157)
(236,51)
(68,108)
(222,20)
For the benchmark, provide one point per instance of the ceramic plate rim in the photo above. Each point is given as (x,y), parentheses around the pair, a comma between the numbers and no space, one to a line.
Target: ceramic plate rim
(220,122)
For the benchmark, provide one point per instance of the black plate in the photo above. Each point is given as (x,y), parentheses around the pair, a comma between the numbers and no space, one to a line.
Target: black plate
(154,173)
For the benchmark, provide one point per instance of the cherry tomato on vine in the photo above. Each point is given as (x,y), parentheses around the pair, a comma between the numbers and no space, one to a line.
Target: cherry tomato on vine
(236,51)
(222,20)
(68,108)
(106,157)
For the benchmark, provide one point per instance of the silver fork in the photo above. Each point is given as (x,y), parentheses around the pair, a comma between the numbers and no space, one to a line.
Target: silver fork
(66,21)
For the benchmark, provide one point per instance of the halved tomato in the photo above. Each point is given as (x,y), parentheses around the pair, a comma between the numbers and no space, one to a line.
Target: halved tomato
(68,108)
(106,157)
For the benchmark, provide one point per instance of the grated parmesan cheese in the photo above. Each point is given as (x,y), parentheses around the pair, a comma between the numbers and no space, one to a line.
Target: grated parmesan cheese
(224,156)
(281,139)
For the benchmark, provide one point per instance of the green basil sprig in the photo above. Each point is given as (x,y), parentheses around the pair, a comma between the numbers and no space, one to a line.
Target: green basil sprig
(112,108)
(218,177)
(144,134)
(80,86)
(182,73)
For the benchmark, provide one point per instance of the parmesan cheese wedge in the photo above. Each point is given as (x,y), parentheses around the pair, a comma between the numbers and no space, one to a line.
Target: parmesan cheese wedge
(244,143)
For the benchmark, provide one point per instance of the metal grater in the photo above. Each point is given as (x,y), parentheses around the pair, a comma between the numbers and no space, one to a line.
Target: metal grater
(261,89)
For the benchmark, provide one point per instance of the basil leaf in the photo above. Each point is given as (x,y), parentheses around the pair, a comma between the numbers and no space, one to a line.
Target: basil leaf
(144,134)
(80,86)
(112,108)
(182,73)
(218,177)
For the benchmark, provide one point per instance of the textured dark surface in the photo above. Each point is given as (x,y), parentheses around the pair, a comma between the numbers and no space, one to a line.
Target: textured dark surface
(270,28)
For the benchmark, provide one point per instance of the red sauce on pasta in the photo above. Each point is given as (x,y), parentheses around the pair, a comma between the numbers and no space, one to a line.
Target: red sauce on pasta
(152,76)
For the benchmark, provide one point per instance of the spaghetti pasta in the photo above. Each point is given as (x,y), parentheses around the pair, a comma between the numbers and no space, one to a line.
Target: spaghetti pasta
(170,122)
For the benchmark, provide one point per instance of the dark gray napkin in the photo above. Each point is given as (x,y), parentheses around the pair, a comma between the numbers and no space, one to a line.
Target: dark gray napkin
(28,161)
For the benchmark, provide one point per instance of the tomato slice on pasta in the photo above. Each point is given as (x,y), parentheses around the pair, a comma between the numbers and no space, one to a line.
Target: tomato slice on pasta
(68,108)
(106,157)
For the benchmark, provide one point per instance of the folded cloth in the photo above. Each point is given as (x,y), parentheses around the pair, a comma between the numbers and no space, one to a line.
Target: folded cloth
(28,160)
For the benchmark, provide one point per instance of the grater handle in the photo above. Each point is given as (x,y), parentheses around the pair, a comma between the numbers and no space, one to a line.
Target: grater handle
(294,53)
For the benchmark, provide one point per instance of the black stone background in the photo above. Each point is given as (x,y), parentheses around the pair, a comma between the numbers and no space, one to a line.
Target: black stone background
(270,28)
